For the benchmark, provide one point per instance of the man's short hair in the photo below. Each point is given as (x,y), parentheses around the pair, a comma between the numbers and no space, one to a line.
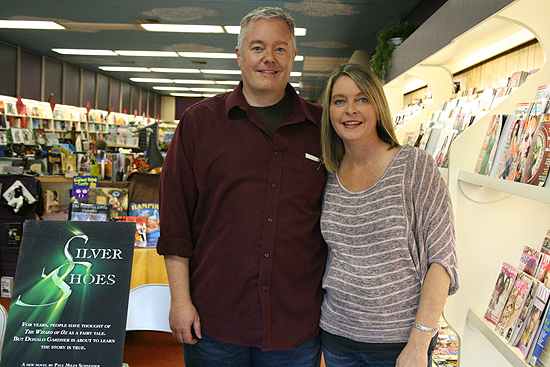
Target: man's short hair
(266,13)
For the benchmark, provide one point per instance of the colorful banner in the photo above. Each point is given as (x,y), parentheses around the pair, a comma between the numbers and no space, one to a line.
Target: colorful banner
(70,296)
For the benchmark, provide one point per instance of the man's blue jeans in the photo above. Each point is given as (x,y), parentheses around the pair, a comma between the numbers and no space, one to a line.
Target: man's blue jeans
(212,353)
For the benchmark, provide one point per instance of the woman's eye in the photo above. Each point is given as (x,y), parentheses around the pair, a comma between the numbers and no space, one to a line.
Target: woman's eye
(363,100)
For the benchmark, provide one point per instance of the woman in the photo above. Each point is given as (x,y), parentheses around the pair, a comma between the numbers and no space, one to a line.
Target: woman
(388,221)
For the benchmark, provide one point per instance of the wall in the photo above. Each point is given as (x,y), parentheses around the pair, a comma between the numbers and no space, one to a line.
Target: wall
(37,77)
(486,74)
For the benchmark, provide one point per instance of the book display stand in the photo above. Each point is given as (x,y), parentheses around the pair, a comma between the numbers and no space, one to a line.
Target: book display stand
(494,218)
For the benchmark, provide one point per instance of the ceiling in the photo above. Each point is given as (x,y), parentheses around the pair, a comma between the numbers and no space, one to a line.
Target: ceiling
(335,30)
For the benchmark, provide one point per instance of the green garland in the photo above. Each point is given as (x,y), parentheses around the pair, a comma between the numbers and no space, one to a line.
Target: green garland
(380,59)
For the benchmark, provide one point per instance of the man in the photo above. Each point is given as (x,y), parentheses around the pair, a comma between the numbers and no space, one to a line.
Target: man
(240,201)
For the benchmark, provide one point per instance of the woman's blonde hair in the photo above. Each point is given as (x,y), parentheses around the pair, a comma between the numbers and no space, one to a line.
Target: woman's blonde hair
(371,87)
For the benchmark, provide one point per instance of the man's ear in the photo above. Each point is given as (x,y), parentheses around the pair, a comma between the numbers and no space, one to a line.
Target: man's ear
(238,55)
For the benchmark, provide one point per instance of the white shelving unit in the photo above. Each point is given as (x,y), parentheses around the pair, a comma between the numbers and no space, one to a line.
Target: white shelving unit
(494,218)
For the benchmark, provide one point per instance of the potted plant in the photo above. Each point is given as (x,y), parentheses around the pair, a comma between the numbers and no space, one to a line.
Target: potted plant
(388,39)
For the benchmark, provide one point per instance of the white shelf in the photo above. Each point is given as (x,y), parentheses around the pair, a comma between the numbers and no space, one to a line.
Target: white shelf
(494,218)
(503,186)
(512,354)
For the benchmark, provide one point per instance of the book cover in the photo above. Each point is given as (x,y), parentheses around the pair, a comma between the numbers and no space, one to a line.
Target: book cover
(54,163)
(151,211)
(503,287)
(489,143)
(117,198)
(517,328)
(70,295)
(545,248)
(529,260)
(533,318)
(527,138)
(512,308)
(543,270)
(538,158)
(141,228)
(540,339)
(503,142)
(82,212)
(513,137)
(13,231)
(68,162)
(81,186)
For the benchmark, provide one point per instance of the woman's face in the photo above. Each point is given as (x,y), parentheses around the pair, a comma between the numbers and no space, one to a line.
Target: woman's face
(352,115)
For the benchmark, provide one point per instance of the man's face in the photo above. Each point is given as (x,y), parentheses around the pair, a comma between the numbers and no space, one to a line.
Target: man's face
(266,60)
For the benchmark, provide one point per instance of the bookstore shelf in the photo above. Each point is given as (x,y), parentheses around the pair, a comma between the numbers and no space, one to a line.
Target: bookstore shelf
(511,354)
(495,189)
(494,218)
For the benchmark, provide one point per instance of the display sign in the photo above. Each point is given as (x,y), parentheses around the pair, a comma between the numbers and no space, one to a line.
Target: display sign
(70,297)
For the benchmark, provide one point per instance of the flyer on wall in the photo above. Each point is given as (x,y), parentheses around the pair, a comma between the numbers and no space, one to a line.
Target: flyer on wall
(70,296)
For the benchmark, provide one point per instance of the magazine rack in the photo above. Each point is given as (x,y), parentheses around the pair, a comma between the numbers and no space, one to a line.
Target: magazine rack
(494,219)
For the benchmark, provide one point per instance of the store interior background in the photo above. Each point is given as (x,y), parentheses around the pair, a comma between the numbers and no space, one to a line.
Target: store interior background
(467,40)
(335,30)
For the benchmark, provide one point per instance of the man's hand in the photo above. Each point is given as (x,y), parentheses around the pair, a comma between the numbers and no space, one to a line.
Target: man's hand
(185,323)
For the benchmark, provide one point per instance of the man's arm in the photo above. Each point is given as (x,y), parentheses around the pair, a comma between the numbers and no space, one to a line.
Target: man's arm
(184,317)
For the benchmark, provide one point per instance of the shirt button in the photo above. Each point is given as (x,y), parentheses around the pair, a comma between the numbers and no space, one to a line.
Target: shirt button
(264,287)
(266,255)
(275,153)
(270,220)
(274,186)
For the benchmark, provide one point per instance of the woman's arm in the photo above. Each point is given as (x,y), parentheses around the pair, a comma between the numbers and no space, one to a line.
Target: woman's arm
(432,299)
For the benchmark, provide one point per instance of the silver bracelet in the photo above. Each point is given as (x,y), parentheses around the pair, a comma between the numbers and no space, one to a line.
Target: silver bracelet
(427,329)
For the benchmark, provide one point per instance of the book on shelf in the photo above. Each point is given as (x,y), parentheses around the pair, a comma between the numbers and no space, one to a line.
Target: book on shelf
(511,310)
(82,185)
(501,291)
(532,319)
(535,171)
(517,327)
(545,248)
(54,163)
(529,260)
(527,135)
(510,148)
(490,143)
(83,212)
(543,269)
(117,198)
(141,228)
(540,339)
(446,137)
(151,212)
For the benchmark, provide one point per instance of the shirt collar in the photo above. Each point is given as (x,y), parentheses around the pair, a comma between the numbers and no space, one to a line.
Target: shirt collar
(298,112)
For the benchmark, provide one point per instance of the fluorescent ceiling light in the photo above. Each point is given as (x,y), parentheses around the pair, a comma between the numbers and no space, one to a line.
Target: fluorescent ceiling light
(124,68)
(186,94)
(75,51)
(186,28)
(151,80)
(296,85)
(193,81)
(298,32)
(29,24)
(147,53)
(214,71)
(299,58)
(171,88)
(213,90)
(209,55)
(175,70)
(295,73)
(229,82)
